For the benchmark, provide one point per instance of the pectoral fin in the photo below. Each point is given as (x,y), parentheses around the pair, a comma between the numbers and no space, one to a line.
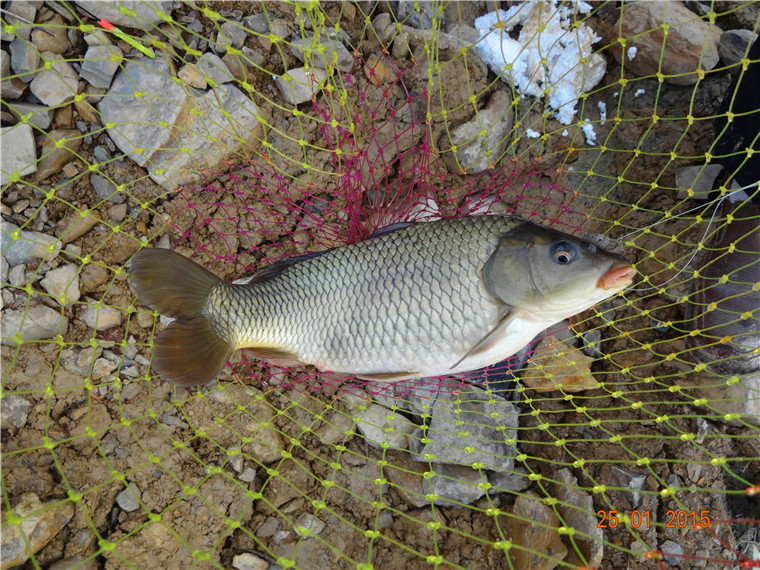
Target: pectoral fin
(491,338)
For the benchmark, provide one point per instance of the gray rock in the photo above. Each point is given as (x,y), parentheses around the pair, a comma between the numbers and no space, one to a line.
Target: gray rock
(335,53)
(380,426)
(474,152)
(63,283)
(18,149)
(576,508)
(102,367)
(415,14)
(25,59)
(14,411)
(11,88)
(456,485)
(253,56)
(39,115)
(16,276)
(106,189)
(384,27)
(209,135)
(129,499)
(508,481)
(488,424)
(191,75)
(35,323)
(97,38)
(26,11)
(297,86)
(4,268)
(308,525)
(27,246)
(213,69)
(279,27)
(699,178)
(56,85)
(147,14)
(733,45)
(673,552)
(117,213)
(248,561)
(248,475)
(100,64)
(257,23)
(231,34)
(100,319)
(101,154)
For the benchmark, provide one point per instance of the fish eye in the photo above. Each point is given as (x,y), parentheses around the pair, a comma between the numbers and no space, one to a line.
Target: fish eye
(564,252)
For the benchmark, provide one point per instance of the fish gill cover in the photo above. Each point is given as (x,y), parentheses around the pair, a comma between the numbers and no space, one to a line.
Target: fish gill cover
(241,134)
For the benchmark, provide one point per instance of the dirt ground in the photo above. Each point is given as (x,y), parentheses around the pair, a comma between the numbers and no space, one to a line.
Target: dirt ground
(238,466)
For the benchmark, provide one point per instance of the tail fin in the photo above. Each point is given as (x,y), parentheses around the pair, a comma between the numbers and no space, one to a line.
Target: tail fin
(188,352)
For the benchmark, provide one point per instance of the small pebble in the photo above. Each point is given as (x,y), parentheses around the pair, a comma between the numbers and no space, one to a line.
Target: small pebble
(129,498)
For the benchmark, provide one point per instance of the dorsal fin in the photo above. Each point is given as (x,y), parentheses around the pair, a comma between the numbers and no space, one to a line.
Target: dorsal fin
(278,267)
(390,229)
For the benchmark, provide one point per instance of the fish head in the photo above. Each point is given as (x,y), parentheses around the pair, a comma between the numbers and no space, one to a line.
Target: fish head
(553,275)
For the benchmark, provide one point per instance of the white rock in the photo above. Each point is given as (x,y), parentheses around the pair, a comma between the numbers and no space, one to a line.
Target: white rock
(147,14)
(248,561)
(100,319)
(41,116)
(379,425)
(213,69)
(63,284)
(100,64)
(26,245)
(299,85)
(19,155)
(35,323)
(129,498)
(308,525)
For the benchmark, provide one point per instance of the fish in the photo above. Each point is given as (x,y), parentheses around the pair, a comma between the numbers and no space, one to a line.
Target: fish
(414,300)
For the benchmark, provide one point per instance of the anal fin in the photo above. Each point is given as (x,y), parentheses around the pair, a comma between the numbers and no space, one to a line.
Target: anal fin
(273,355)
(388,376)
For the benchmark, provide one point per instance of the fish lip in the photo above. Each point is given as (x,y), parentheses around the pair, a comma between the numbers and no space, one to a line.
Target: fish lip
(618,276)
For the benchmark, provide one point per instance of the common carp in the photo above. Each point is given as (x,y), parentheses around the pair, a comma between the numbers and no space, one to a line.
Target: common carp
(416,299)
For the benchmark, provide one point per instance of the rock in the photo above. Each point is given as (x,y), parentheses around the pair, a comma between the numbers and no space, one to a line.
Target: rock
(12,88)
(673,552)
(248,475)
(308,525)
(336,427)
(25,60)
(378,71)
(380,426)
(297,86)
(35,323)
(56,85)
(384,28)
(56,40)
(146,14)
(4,268)
(692,43)
(212,68)
(39,523)
(194,142)
(93,277)
(253,57)
(58,149)
(19,155)
(129,499)
(475,152)
(230,34)
(74,225)
(488,424)
(98,38)
(26,11)
(279,27)
(14,411)
(117,213)
(734,44)
(556,365)
(323,54)
(542,538)
(39,115)
(16,276)
(699,178)
(248,561)
(415,14)
(508,481)
(106,189)
(190,75)
(78,562)
(732,401)
(100,64)
(63,283)
(27,245)
(100,319)
(257,23)
(576,508)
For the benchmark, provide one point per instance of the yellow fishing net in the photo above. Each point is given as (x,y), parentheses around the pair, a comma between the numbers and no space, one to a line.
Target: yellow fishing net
(239,133)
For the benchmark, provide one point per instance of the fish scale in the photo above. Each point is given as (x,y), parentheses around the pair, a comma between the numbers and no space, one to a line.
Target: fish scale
(414,300)
(383,293)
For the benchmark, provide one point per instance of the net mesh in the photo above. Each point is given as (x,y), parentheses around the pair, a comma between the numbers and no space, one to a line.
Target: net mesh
(241,133)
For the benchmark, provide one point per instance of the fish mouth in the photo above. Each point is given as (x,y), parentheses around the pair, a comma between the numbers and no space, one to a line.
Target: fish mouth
(619,276)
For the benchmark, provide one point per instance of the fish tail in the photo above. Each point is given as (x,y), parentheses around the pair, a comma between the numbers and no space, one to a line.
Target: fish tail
(189,351)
